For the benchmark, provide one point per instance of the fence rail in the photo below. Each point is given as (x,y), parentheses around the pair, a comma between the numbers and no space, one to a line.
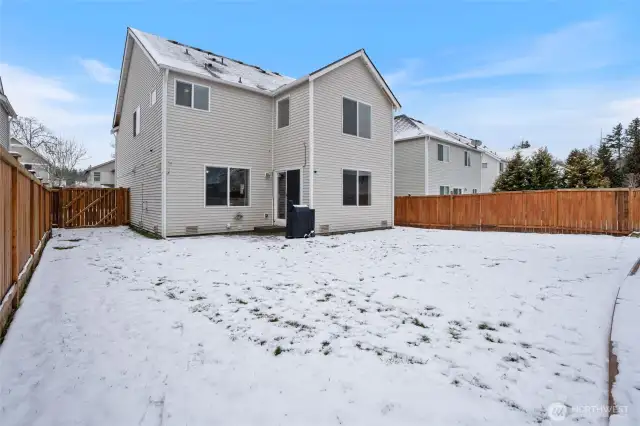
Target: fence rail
(590,211)
(90,207)
(25,222)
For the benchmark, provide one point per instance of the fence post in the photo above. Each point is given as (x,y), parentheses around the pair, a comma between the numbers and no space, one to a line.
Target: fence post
(32,216)
(14,229)
(555,225)
(450,211)
(630,211)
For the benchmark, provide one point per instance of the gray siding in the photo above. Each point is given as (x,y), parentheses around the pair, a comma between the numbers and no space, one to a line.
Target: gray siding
(490,174)
(4,128)
(291,143)
(454,173)
(106,176)
(335,151)
(237,132)
(138,159)
(410,167)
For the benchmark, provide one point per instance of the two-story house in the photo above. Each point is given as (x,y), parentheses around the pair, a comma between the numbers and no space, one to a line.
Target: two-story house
(209,144)
(6,113)
(430,161)
(101,175)
(31,159)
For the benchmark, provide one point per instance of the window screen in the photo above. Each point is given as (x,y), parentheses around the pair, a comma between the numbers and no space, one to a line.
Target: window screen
(183,93)
(283,113)
(216,186)
(364,121)
(239,187)
(349,188)
(364,188)
(349,117)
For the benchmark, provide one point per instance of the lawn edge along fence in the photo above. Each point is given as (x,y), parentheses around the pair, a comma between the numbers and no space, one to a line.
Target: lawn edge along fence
(25,218)
(573,211)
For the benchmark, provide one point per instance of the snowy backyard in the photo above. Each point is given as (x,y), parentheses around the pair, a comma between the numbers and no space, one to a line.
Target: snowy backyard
(406,326)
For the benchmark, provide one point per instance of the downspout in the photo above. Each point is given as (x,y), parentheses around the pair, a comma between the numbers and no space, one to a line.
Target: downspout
(481,163)
(163,168)
(311,144)
(393,168)
(427,140)
(273,170)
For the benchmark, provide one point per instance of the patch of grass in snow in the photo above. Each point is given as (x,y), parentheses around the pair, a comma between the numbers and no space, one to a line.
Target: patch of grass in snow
(278,351)
(515,358)
(455,333)
(525,345)
(504,324)
(511,404)
(486,326)
(488,337)
(418,323)
(64,247)
(457,323)
(456,382)
(397,296)
(478,383)
(242,302)
(326,297)
(73,240)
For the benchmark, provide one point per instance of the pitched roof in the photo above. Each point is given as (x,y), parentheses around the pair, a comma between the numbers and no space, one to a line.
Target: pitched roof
(99,165)
(18,143)
(202,63)
(482,148)
(4,101)
(406,127)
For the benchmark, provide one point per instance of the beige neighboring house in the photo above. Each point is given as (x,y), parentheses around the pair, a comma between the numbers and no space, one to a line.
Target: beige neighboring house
(6,114)
(101,176)
(31,160)
(209,144)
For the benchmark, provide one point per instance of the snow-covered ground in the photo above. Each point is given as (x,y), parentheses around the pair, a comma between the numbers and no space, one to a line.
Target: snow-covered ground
(406,326)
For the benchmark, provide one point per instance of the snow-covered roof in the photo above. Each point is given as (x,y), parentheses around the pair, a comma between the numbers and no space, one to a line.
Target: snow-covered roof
(100,165)
(482,148)
(15,143)
(193,60)
(406,127)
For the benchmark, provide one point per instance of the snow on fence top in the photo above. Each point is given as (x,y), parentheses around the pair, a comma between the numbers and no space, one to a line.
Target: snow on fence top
(194,60)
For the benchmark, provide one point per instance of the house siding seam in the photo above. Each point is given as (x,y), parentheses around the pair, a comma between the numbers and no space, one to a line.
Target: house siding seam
(454,173)
(4,128)
(236,132)
(410,167)
(139,158)
(334,151)
(289,142)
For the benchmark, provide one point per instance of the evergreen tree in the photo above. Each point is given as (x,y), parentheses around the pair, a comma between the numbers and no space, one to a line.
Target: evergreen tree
(522,145)
(581,171)
(610,169)
(632,161)
(617,142)
(543,173)
(515,177)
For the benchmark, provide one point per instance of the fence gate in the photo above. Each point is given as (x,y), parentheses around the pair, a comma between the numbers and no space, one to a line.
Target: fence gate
(90,207)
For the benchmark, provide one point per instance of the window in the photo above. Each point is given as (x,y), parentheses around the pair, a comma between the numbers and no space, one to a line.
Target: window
(474,191)
(28,166)
(501,167)
(443,152)
(356,118)
(226,186)
(457,191)
(96,176)
(485,165)
(356,188)
(283,113)
(136,121)
(192,95)
(467,159)
(444,190)
(153,98)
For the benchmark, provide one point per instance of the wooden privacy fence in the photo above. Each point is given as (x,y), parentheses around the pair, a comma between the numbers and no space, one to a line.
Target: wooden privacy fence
(25,222)
(593,211)
(90,207)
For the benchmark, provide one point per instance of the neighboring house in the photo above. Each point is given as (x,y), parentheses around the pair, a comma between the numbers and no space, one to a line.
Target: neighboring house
(101,176)
(209,144)
(428,161)
(6,113)
(31,160)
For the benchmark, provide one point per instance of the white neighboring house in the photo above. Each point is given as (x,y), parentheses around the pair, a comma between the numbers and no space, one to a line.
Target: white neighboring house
(209,144)
(101,176)
(31,160)
(6,113)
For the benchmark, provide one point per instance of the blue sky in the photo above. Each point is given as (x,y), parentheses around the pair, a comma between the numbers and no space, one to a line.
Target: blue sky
(553,72)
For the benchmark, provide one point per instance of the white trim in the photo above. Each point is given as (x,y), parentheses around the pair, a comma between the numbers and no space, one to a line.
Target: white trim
(154,97)
(445,186)
(212,79)
(448,157)
(155,63)
(276,220)
(288,86)
(311,144)
(278,112)
(357,170)
(227,206)
(193,95)
(357,135)
(163,167)
(393,173)
(137,122)
(427,140)
(467,156)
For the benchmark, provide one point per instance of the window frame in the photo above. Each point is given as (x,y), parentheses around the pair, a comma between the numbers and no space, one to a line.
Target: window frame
(484,165)
(137,122)
(500,167)
(154,98)
(467,158)
(460,189)
(474,191)
(99,176)
(357,135)
(278,112)
(355,169)
(228,205)
(448,189)
(193,95)
(448,156)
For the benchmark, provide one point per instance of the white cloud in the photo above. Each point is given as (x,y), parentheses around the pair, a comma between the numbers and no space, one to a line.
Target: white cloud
(100,72)
(578,47)
(50,100)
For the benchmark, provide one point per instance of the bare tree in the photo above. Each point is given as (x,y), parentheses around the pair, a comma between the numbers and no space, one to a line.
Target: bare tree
(63,156)
(31,132)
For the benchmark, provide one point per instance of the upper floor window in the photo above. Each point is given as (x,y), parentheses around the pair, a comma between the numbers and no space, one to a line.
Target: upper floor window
(485,165)
(467,159)
(443,152)
(192,95)
(283,113)
(136,121)
(501,167)
(356,118)
(96,176)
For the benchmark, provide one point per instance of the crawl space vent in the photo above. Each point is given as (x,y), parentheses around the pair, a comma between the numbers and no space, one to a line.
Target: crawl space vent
(324,228)
(384,224)
(191,230)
